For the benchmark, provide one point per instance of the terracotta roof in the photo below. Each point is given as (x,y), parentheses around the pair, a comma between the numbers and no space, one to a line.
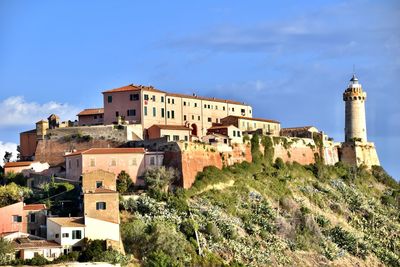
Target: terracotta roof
(117,150)
(18,164)
(220,127)
(30,131)
(171,127)
(35,207)
(103,190)
(134,87)
(91,111)
(207,98)
(252,119)
(298,128)
(26,243)
(68,221)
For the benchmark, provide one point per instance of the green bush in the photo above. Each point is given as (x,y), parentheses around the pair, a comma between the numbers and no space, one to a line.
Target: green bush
(348,242)
(124,182)
(159,259)
(37,260)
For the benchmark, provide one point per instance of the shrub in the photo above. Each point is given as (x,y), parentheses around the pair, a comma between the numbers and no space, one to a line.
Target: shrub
(124,182)
(279,164)
(347,241)
(159,259)
(255,148)
(159,179)
(37,260)
(381,175)
(92,249)
(133,236)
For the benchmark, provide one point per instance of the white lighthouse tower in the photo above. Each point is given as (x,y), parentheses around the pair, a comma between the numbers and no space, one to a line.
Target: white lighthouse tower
(355,123)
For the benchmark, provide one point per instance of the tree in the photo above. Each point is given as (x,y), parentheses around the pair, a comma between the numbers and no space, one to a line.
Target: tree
(124,182)
(7,157)
(12,193)
(5,249)
(160,178)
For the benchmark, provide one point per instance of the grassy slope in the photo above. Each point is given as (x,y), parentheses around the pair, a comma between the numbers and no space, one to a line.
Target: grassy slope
(260,215)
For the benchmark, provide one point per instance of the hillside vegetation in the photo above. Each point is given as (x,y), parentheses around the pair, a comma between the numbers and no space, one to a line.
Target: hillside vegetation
(269,214)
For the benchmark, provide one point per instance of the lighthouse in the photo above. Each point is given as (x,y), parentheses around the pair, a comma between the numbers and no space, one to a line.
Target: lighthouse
(355,122)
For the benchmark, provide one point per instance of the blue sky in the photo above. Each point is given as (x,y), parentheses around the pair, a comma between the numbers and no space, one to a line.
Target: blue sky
(291,60)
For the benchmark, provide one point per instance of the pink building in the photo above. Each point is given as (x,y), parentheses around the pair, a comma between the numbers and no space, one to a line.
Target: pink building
(133,161)
(147,106)
(91,116)
(12,218)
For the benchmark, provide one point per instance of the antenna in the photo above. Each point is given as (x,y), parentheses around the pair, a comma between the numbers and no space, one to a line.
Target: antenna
(354,69)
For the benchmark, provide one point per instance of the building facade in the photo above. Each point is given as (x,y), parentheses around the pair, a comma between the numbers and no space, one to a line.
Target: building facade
(147,106)
(268,127)
(133,161)
(91,116)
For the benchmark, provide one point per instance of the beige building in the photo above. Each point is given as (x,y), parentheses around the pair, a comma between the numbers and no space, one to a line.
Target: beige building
(171,132)
(25,167)
(91,116)
(147,106)
(233,133)
(269,127)
(300,132)
(133,161)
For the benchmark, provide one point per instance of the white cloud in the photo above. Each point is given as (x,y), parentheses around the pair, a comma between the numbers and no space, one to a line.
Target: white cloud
(9,147)
(16,111)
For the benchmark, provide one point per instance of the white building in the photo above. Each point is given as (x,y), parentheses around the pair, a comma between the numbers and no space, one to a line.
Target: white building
(69,232)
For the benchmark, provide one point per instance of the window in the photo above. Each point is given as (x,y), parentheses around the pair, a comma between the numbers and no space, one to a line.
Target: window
(168,138)
(168,114)
(192,117)
(208,107)
(92,162)
(134,97)
(242,111)
(154,112)
(17,218)
(198,117)
(145,111)
(209,119)
(195,105)
(173,101)
(250,111)
(109,99)
(255,125)
(169,100)
(113,162)
(99,184)
(216,107)
(234,133)
(238,133)
(162,113)
(152,160)
(205,106)
(77,163)
(65,234)
(76,234)
(223,108)
(32,217)
(146,97)
(56,235)
(154,98)
(132,162)
(100,116)
(225,141)
(100,205)
(116,113)
(95,117)
(186,138)
(233,109)
(162,99)
(131,112)
(172,114)
(176,137)
(184,103)
(184,117)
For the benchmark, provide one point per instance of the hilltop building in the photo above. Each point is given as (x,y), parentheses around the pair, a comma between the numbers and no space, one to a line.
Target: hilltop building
(356,150)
